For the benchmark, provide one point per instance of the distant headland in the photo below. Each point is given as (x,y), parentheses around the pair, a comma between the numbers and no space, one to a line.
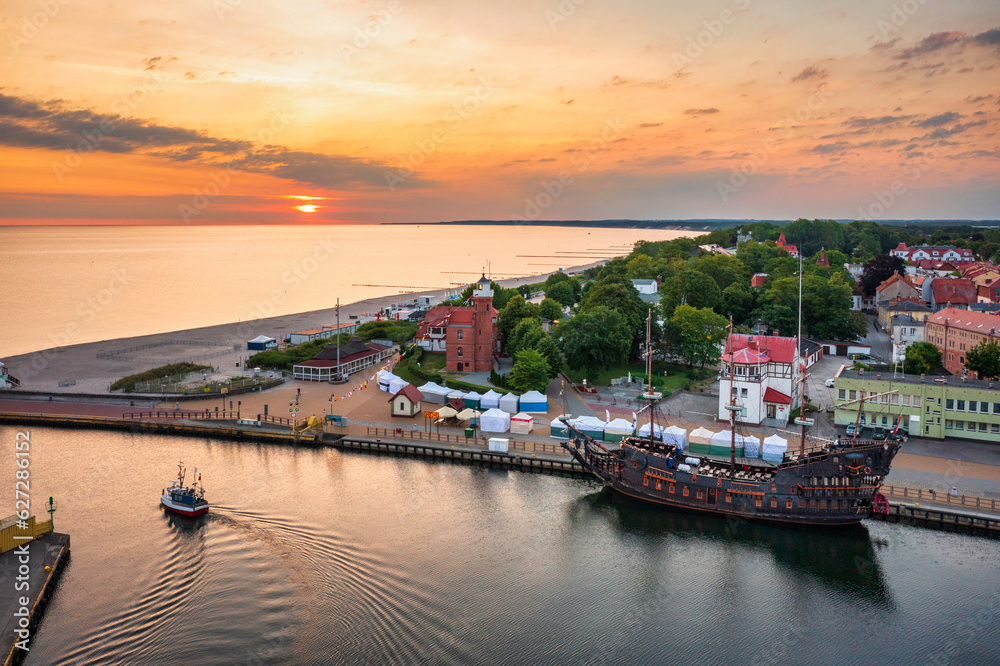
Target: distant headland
(707,224)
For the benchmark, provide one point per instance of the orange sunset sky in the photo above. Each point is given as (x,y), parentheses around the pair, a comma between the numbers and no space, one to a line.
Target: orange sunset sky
(221,111)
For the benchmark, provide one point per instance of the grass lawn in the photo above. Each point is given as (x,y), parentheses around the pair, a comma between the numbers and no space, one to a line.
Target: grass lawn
(676,375)
(428,363)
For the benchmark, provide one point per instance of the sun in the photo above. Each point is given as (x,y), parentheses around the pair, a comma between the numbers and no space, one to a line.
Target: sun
(307,208)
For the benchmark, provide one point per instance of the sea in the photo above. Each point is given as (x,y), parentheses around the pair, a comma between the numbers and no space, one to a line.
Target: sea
(70,285)
(316,556)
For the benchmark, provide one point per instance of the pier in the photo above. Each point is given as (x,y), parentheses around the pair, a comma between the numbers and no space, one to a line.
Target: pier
(48,554)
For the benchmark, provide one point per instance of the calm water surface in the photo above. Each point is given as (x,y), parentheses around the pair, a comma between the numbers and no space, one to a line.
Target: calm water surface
(319,557)
(67,285)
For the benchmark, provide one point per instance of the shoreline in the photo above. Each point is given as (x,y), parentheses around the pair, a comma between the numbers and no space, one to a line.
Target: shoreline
(80,368)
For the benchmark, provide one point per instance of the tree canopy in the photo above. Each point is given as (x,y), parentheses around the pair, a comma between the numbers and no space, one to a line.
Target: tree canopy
(530,371)
(699,332)
(922,358)
(877,270)
(597,338)
(984,360)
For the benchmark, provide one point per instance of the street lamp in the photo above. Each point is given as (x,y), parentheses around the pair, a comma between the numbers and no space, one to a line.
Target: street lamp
(239,403)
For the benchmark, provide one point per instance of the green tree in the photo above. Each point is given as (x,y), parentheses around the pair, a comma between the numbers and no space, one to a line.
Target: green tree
(723,269)
(699,333)
(530,371)
(755,255)
(511,315)
(551,309)
(547,347)
(738,301)
(922,358)
(984,360)
(617,294)
(561,292)
(526,335)
(597,339)
(693,288)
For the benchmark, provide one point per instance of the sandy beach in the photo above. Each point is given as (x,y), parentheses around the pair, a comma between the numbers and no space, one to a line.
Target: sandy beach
(92,367)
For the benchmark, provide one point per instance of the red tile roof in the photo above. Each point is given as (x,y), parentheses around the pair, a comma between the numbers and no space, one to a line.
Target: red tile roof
(978,322)
(779,349)
(411,392)
(770,395)
(893,279)
(958,290)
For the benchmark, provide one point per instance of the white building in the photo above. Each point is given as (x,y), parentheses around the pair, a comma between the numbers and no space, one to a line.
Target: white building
(761,374)
(299,337)
(905,331)
(648,290)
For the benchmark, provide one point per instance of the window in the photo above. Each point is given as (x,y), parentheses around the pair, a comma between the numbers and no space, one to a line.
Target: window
(460,334)
(645,479)
(959,425)
(788,503)
(699,494)
(913,331)
(982,427)
(686,493)
(961,405)
(853,395)
(774,502)
(743,392)
(758,500)
(906,401)
(842,394)
(670,488)
(659,484)
(995,428)
(729,498)
(984,407)
(949,404)
(972,426)
(460,352)
(996,407)
(948,424)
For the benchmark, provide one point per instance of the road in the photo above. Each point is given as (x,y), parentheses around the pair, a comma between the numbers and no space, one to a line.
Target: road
(879,341)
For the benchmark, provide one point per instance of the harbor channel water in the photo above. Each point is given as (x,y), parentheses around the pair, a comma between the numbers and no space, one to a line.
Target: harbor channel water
(316,556)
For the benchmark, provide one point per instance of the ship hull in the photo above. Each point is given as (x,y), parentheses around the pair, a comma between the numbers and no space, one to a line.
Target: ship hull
(182,509)
(828,488)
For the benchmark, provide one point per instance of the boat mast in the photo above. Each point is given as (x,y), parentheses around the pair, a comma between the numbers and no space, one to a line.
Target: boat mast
(732,403)
(861,406)
(795,360)
(649,373)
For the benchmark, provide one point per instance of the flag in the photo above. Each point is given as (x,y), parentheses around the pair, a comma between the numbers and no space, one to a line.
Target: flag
(607,415)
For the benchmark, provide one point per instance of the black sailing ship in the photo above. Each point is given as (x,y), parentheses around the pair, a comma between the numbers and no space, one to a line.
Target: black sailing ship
(827,483)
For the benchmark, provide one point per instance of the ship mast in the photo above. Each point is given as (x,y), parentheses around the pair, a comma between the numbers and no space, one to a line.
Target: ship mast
(732,403)
(801,421)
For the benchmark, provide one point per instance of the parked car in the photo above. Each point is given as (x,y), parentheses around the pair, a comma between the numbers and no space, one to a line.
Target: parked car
(830,382)
(851,429)
(879,433)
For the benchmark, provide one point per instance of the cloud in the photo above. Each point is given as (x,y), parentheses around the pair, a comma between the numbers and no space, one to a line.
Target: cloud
(828,148)
(940,119)
(931,43)
(988,38)
(810,72)
(861,121)
(978,98)
(645,125)
(700,112)
(50,125)
(884,46)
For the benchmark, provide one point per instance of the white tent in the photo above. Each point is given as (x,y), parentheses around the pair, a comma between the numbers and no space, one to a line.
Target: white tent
(494,420)
(701,436)
(508,403)
(434,393)
(774,448)
(471,399)
(455,395)
(675,435)
(657,431)
(616,429)
(396,385)
(384,378)
(521,423)
(490,400)
(534,402)
(590,426)
(558,430)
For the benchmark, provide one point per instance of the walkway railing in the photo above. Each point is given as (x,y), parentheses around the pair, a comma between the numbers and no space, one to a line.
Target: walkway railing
(206,415)
(447,438)
(919,494)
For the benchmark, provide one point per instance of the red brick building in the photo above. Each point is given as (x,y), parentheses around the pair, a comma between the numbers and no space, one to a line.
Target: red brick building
(956,331)
(790,249)
(467,334)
